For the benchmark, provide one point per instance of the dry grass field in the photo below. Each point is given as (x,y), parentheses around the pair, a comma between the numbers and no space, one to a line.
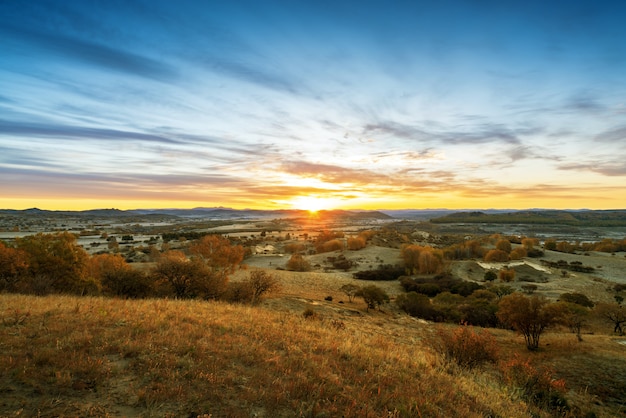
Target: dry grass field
(82,356)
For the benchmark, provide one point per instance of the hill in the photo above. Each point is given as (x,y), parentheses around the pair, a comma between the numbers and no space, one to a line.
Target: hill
(541,217)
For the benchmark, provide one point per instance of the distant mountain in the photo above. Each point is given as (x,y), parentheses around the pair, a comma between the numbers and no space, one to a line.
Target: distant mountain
(210,213)
(540,217)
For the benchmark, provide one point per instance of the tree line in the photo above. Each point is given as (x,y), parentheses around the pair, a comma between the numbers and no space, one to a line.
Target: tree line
(53,263)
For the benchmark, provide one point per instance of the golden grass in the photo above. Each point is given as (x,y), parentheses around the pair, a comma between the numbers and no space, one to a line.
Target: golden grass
(65,356)
(71,356)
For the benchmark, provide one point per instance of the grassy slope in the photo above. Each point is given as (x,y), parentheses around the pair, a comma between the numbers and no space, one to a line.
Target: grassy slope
(69,356)
(80,356)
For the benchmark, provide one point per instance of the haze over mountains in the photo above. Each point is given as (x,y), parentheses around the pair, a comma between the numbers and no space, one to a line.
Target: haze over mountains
(527,216)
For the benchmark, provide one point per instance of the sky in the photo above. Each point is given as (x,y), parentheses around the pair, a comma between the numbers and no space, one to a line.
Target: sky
(273,104)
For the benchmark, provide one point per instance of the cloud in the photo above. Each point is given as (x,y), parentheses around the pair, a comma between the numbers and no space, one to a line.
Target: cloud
(23,129)
(617,135)
(606,168)
(92,53)
(481,134)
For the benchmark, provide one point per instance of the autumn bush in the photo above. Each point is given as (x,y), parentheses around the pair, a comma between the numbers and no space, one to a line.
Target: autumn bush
(506,275)
(356,243)
(465,346)
(297,262)
(518,253)
(422,260)
(496,256)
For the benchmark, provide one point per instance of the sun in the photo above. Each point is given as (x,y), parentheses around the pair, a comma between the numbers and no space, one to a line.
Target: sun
(311,203)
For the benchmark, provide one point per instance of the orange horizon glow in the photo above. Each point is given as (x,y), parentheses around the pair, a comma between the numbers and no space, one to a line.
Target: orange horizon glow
(315,203)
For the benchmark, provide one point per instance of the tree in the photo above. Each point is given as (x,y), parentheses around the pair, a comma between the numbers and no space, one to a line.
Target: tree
(350,290)
(496,256)
(218,254)
(356,243)
(530,316)
(373,296)
(117,277)
(298,263)
(13,266)
(261,282)
(501,290)
(577,298)
(189,278)
(506,275)
(613,313)
(504,245)
(417,305)
(574,317)
(490,276)
(55,262)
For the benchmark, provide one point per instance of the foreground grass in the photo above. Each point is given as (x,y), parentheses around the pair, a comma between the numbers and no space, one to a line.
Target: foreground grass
(69,356)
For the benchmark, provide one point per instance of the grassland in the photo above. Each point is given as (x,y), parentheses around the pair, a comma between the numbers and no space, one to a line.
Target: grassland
(81,356)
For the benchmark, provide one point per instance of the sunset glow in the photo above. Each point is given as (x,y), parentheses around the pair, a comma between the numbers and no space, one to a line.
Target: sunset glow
(271,105)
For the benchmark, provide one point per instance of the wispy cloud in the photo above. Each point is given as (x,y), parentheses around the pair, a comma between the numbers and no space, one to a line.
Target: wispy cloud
(24,129)
(92,53)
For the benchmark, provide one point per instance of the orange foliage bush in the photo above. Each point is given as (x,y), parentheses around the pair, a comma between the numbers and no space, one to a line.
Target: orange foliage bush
(497,256)
(466,347)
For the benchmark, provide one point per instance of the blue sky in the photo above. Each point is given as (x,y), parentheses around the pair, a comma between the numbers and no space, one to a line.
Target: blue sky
(278,104)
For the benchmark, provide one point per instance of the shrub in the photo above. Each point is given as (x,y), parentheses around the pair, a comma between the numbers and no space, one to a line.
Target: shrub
(496,256)
(417,305)
(356,243)
(577,298)
(384,272)
(466,347)
(537,386)
(332,245)
(490,276)
(294,247)
(239,292)
(504,245)
(373,296)
(351,290)
(530,316)
(261,282)
(506,275)
(298,263)
(518,253)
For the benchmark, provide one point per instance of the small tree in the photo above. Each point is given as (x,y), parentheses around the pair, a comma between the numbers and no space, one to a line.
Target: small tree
(261,283)
(506,275)
(373,296)
(298,263)
(504,245)
(530,316)
(497,256)
(351,290)
(574,317)
(490,276)
(614,313)
(577,298)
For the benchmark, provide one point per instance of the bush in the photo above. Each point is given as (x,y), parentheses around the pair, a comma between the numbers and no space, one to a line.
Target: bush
(577,298)
(497,256)
(506,275)
(417,305)
(298,263)
(490,276)
(384,272)
(466,347)
(356,243)
(373,296)
(537,386)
